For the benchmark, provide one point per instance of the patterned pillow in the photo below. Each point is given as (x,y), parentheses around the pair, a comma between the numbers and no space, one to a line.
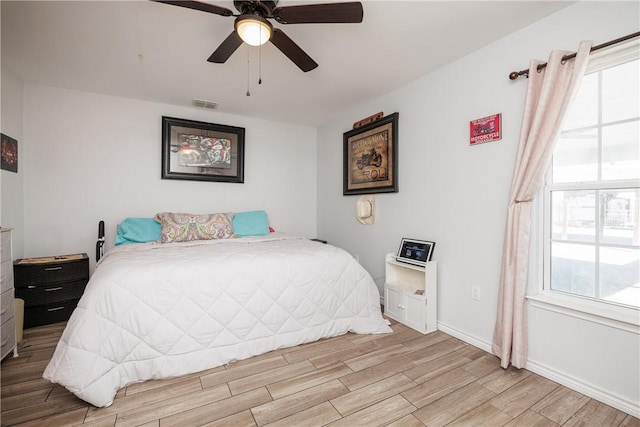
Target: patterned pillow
(181,227)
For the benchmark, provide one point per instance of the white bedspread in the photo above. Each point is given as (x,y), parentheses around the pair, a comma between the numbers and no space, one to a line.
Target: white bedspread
(163,310)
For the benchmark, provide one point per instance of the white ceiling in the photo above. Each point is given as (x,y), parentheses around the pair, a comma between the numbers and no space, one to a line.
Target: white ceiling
(157,52)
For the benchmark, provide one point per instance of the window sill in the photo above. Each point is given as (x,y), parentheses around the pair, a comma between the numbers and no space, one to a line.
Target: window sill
(615,316)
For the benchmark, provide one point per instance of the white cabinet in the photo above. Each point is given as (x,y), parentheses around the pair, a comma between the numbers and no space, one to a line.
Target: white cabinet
(402,303)
(7,319)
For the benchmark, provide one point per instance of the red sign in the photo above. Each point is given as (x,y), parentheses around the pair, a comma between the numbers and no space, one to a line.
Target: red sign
(486,129)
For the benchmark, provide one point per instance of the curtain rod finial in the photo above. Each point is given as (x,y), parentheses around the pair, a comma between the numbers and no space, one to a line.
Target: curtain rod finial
(515,74)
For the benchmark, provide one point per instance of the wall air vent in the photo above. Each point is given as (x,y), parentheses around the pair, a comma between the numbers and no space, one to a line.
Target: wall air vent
(205,104)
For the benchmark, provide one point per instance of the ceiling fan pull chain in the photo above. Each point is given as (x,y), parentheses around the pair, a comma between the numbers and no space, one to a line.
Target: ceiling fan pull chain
(260,65)
(248,93)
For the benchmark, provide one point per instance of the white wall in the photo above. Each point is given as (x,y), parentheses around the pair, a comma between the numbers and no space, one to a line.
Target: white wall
(457,196)
(92,157)
(11,184)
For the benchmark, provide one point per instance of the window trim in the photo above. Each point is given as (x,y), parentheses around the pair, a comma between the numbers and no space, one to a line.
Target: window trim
(625,318)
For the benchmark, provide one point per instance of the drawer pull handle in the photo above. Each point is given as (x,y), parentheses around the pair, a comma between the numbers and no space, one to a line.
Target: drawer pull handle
(31,287)
(53,268)
(53,289)
(55,309)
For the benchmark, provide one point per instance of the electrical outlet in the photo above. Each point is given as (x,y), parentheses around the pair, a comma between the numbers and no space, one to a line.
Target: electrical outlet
(475,293)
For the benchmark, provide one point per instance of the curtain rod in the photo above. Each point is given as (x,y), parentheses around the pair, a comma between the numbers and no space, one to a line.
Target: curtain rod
(515,74)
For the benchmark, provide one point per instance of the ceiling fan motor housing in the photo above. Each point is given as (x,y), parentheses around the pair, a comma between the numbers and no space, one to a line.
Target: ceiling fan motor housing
(262,8)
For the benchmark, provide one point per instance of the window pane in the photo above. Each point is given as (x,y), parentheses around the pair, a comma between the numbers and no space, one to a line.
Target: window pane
(575,158)
(619,210)
(620,275)
(573,215)
(573,268)
(621,151)
(621,92)
(583,111)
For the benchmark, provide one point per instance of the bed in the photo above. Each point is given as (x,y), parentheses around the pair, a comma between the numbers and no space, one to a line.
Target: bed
(160,310)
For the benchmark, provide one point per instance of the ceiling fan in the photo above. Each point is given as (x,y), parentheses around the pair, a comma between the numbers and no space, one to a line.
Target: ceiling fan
(252,25)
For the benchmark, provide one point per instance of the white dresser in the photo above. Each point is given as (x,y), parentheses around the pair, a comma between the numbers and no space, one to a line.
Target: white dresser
(7,319)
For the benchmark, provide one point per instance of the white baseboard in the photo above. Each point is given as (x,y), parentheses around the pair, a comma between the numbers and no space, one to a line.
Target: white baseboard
(483,345)
(597,393)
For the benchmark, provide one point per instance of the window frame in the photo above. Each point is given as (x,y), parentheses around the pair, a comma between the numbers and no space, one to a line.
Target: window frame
(610,313)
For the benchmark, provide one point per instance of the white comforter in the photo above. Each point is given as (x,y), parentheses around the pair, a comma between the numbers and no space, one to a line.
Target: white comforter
(162,310)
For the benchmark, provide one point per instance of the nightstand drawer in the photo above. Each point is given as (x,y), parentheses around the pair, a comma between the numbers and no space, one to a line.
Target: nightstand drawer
(50,292)
(49,313)
(6,306)
(38,274)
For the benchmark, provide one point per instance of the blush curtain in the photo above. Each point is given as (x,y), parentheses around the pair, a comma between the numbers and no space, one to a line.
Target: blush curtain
(549,93)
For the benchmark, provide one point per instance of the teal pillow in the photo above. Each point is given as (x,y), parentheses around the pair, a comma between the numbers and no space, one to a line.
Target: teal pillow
(252,223)
(138,230)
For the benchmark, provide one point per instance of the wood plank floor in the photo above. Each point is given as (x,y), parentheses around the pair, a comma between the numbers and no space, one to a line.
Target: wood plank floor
(399,379)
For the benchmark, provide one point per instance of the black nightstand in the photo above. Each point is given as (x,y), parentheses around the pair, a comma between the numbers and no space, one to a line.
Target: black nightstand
(50,286)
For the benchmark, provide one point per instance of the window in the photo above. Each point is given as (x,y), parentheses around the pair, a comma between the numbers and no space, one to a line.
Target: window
(592,192)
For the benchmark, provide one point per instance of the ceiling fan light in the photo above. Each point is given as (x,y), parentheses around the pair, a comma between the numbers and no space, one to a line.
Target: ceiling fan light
(253,30)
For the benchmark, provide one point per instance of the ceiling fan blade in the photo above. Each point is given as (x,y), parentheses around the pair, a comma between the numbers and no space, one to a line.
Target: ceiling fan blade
(331,13)
(226,48)
(292,51)
(204,7)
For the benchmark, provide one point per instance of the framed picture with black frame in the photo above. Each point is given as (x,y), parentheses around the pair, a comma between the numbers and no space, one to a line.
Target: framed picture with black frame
(416,252)
(9,153)
(201,151)
(370,157)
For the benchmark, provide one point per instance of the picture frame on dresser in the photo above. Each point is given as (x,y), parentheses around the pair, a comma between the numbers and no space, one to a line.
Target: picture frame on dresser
(200,151)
